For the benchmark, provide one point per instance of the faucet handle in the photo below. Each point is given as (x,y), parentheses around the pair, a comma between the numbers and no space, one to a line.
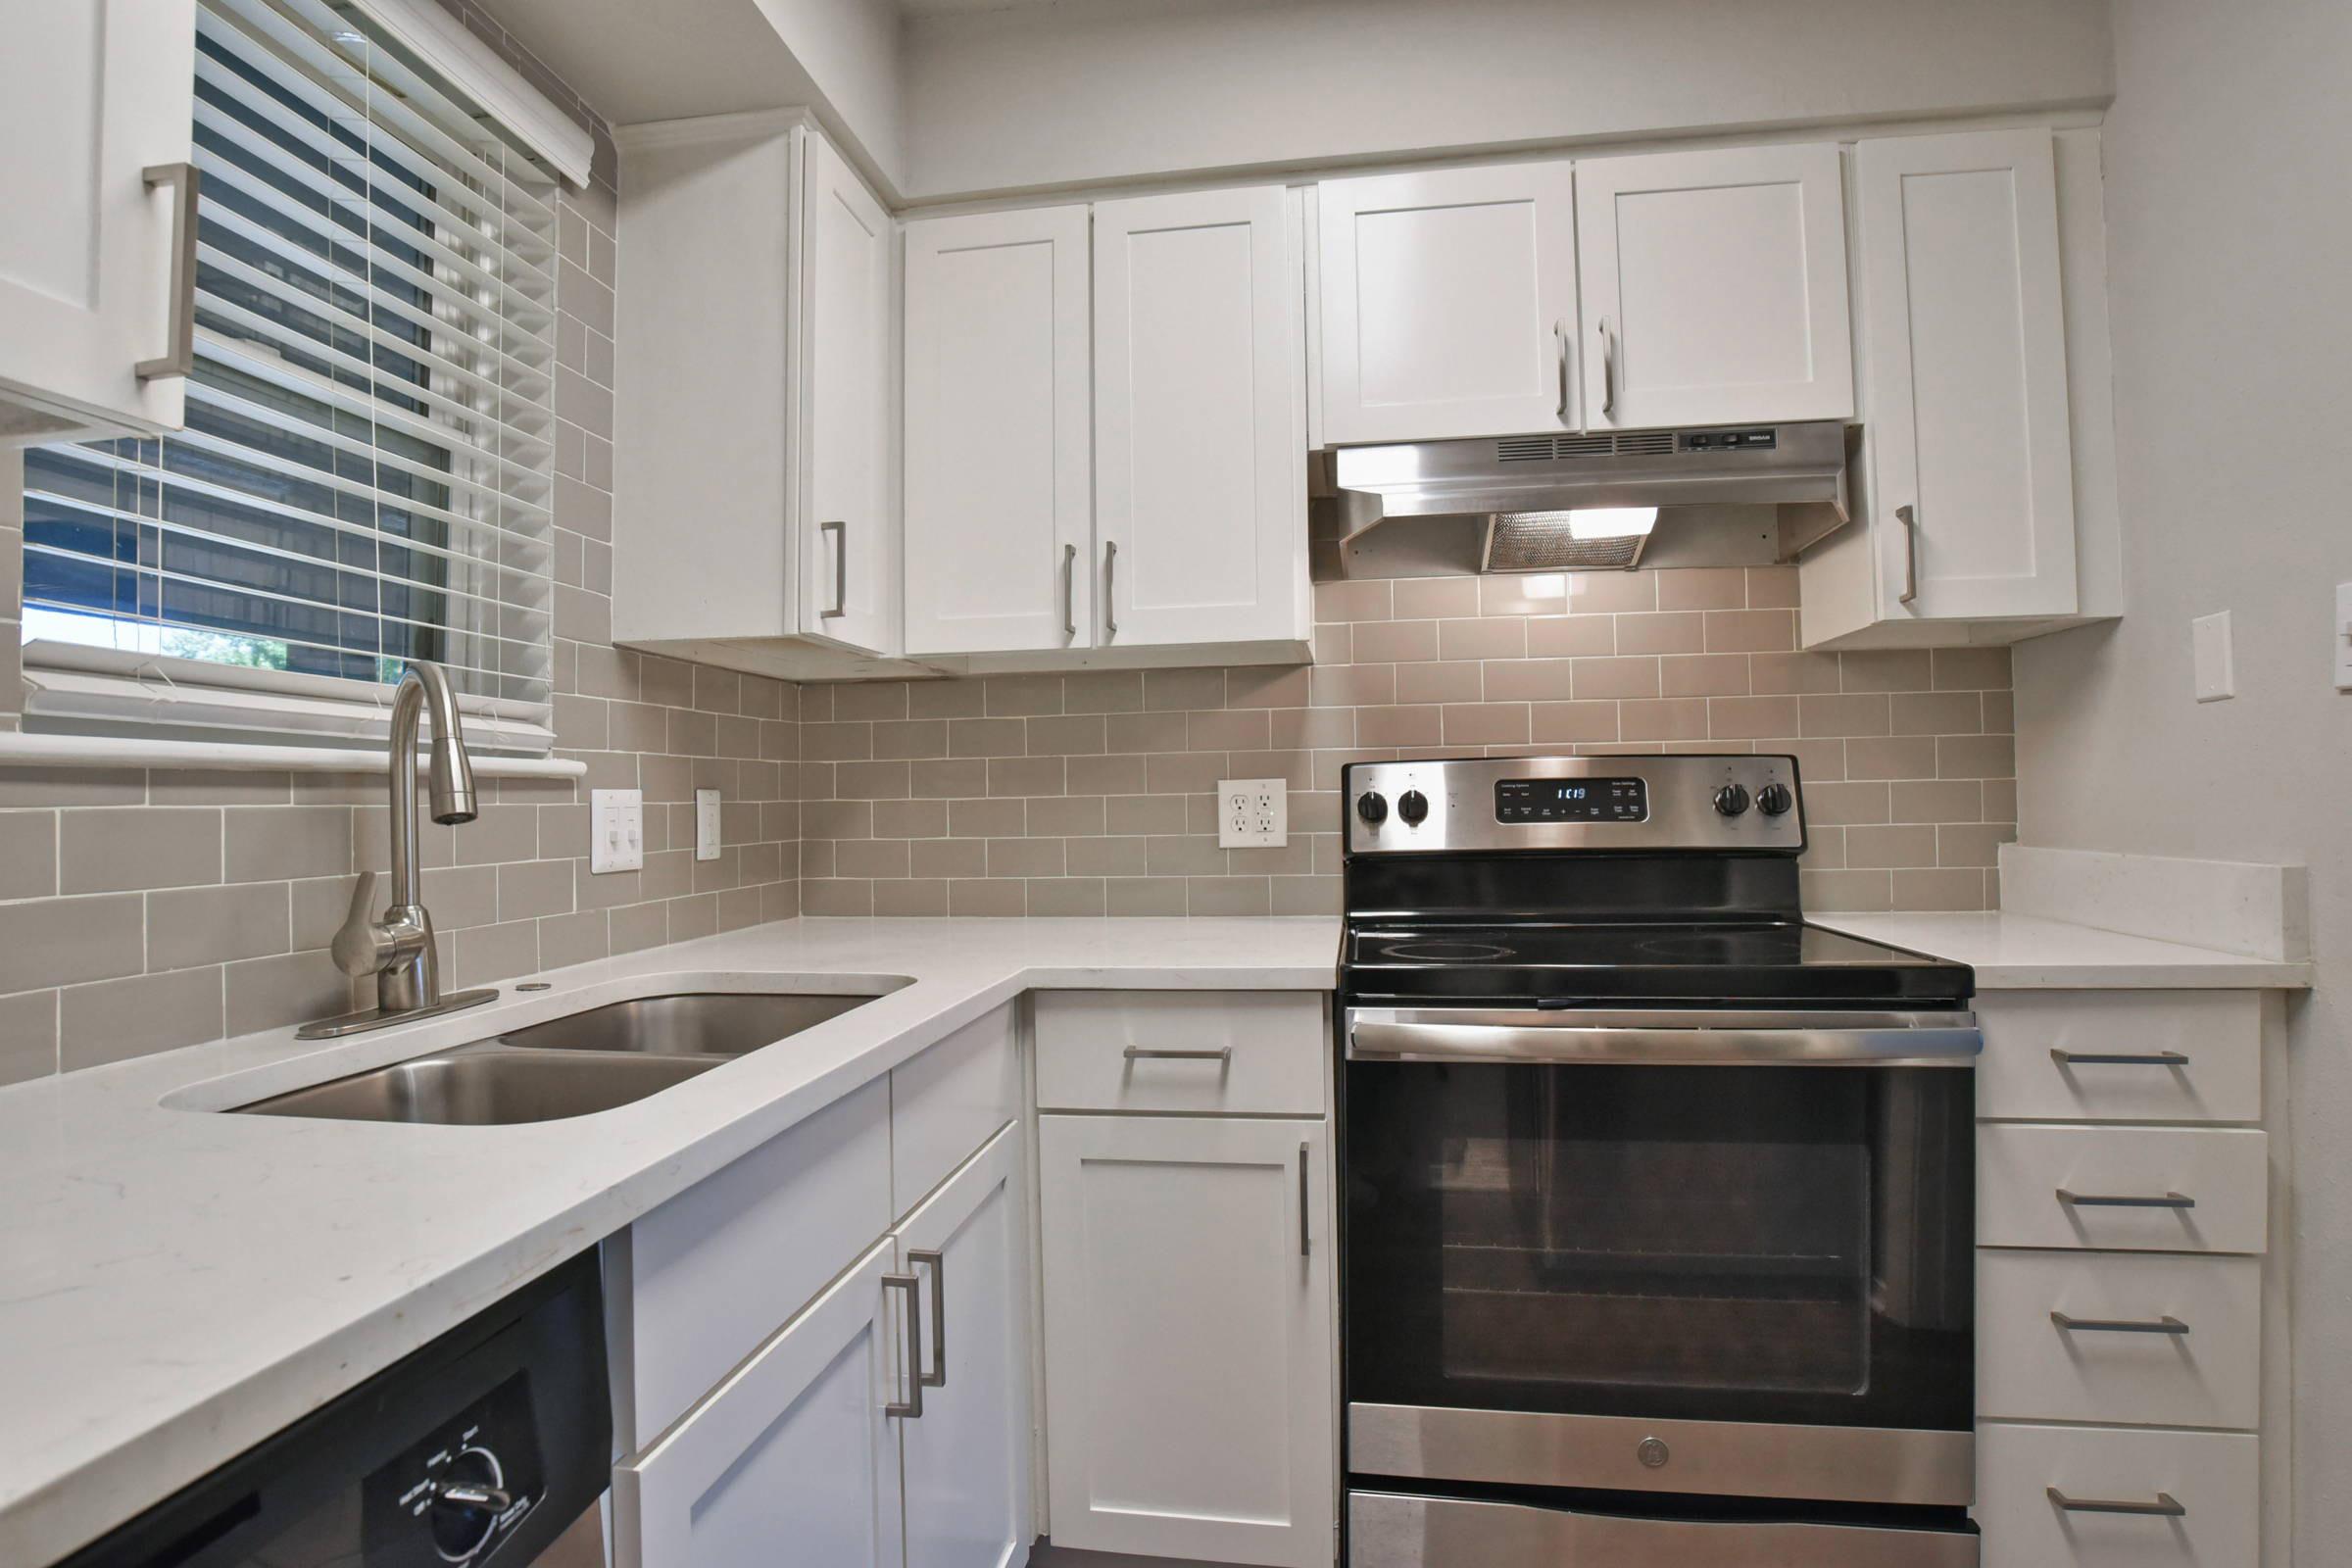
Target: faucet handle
(361,947)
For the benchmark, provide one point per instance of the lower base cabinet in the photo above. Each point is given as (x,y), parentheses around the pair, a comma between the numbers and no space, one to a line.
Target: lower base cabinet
(2052,1496)
(793,1456)
(1188,1333)
(886,1425)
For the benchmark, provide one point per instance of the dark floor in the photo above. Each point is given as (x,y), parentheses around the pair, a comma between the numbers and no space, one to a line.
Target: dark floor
(1048,1556)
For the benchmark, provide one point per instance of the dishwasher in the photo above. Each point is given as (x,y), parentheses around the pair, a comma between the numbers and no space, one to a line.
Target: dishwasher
(491,1445)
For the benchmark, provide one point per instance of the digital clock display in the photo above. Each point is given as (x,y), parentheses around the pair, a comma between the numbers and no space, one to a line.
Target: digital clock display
(1571,800)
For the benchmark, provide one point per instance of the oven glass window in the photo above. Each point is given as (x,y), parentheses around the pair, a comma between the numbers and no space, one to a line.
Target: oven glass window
(1767,1244)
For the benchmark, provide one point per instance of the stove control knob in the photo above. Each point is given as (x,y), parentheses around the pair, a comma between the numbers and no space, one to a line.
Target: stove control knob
(1731,799)
(1774,800)
(1413,807)
(467,1505)
(1372,806)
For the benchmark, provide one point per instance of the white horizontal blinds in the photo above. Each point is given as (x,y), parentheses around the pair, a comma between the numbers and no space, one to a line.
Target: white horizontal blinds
(366,476)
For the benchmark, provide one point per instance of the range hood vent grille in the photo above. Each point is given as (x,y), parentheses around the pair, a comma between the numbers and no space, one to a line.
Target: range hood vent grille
(1554,448)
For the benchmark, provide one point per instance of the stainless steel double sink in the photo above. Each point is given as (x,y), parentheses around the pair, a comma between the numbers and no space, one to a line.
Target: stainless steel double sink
(570,1066)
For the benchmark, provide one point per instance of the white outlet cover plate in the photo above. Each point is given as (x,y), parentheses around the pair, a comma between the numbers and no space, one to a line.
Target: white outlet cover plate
(616,831)
(706,825)
(2215,657)
(2343,636)
(1253,813)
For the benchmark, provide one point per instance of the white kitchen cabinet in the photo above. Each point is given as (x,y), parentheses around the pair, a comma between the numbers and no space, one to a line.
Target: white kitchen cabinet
(753,464)
(849,308)
(967,1456)
(97,254)
(1985,506)
(1188,1333)
(1200,420)
(2046,1497)
(1448,303)
(1712,288)
(795,1453)
(999,458)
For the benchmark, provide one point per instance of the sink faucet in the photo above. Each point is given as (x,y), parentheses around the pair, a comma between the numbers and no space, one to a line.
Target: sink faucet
(398,949)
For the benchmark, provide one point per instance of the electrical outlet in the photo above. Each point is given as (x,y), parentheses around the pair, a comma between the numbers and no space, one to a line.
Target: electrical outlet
(2215,657)
(616,831)
(706,825)
(2343,636)
(1252,813)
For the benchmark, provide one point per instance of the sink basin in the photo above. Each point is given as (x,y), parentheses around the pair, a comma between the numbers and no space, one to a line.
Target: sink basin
(704,1023)
(474,1086)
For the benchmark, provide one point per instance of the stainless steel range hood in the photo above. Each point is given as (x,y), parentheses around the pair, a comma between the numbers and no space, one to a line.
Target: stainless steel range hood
(1799,469)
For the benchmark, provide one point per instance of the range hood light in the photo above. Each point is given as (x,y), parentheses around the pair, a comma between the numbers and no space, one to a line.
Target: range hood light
(1612,522)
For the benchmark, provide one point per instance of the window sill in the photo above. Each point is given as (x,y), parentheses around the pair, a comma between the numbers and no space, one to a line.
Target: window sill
(20,750)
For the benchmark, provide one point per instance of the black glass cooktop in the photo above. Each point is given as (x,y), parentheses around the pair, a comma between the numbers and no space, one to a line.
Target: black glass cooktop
(1714,959)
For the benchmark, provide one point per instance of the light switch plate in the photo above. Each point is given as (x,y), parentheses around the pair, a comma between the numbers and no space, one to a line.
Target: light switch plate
(1252,813)
(616,831)
(2343,636)
(2215,657)
(706,825)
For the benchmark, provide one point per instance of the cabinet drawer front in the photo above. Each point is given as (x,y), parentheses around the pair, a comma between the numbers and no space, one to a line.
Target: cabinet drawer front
(2031,1368)
(721,1266)
(947,1102)
(2186,1189)
(2212,1478)
(1251,1053)
(2085,1056)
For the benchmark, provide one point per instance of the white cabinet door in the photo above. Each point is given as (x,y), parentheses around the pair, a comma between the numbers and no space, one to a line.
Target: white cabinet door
(1448,303)
(998,460)
(94,93)
(1713,287)
(1188,1324)
(793,1457)
(1200,420)
(1963,353)
(967,1456)
(849,537)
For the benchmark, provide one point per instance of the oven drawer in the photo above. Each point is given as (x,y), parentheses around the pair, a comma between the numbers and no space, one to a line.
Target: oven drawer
(2152,1340)
(1254,1054)
(1400,1529)
(2106,1056)
(2140,1188)
(2115,1497)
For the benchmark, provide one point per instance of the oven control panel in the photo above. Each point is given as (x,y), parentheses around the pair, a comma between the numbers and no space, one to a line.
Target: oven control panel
(1728,802)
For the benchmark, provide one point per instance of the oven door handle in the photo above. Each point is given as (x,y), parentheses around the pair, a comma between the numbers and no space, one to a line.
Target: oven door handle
(1375,1039)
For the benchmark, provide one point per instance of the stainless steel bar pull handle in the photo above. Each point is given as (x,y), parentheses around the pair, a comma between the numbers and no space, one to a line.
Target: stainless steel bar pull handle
(937,1263)
(840,531)
(2115,1058)
(2124,1200)
(1608,371)
(1111,586)
(1069,588)
(179,354)
(2167,1324)
(1559,331)
(912,1407)
(1306,1230)
(2165,1505)
(1909,519)
(1223,1053)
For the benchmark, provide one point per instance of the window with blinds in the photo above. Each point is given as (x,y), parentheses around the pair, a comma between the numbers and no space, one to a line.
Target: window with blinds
(364,477)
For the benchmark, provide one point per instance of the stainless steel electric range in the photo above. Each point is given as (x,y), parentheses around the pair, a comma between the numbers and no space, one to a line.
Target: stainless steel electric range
(1659,1201)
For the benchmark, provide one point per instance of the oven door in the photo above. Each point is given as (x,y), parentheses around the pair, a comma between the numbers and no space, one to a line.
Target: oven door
(1696,1251)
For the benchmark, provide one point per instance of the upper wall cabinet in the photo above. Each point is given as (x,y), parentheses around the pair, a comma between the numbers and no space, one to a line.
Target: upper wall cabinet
(753,472)
(1713,287)
(97,256)
(1448,303)
(1987,511)
(1200,420)
(998,460)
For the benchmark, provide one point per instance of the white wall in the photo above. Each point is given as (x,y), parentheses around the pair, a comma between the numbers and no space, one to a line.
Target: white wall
(1094,90)
(2228,232)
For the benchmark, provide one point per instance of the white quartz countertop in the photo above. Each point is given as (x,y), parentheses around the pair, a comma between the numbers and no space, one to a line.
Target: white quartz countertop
(2023,953)
(176,1284)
